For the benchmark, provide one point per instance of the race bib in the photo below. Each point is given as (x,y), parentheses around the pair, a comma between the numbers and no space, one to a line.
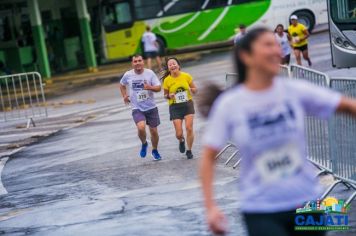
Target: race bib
(279,163)
(142,95)
(181,97)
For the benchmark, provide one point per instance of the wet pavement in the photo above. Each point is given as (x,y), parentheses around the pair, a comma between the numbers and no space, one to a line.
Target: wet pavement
(89,180)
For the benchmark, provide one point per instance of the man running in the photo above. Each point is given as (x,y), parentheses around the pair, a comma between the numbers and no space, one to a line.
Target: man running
(142,84)
(299,35)
(151,48)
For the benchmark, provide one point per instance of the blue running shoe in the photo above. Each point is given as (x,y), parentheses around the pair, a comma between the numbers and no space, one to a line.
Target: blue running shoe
(143,151)
(156,155)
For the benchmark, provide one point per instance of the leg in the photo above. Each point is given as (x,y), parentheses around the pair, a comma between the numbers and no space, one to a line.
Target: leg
(149,63)
(179,130)
(298,57)
(141,128)
(306,56)
(159,62)
(189,128)
(154,137)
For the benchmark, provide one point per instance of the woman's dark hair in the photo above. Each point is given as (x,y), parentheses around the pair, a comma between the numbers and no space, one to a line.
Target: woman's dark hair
(211,91)
(279,25)
(166,70)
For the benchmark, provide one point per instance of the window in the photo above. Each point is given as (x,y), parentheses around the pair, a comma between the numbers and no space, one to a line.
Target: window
(344,11)
(214,3)
(172,7)
(147,9)
(118,13)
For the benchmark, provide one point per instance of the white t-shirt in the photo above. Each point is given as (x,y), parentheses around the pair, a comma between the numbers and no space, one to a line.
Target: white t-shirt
(268,129)
(238,36)
(141,99)
(284,42)
(149,42)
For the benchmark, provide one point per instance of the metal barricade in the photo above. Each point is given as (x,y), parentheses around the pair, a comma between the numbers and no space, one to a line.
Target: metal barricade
(317,130)
(22,97)
(284,71)
(342,138)
(230,80)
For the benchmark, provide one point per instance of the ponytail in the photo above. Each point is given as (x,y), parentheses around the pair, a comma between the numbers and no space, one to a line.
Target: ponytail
(211,91)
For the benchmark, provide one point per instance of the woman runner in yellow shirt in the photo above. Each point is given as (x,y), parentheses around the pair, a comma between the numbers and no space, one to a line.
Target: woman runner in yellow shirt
(299,35)
(178,89)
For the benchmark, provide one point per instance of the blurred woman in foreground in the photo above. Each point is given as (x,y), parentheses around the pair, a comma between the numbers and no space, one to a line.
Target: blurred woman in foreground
(264,117)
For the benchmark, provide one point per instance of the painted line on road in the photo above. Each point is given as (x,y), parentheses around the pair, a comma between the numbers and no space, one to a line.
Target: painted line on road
(2,164)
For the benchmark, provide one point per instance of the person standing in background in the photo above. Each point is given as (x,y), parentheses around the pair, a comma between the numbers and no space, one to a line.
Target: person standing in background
(151,48)
(299,35)
(242,32)
(283,39)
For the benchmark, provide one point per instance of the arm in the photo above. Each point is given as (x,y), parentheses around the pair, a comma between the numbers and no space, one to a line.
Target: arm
(306,33)
(193,88)
(124,94)
(347,106)
(153,88)
(168,95)
(215,218)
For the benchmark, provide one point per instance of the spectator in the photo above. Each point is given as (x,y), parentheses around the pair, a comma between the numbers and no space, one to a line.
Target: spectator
(242,32)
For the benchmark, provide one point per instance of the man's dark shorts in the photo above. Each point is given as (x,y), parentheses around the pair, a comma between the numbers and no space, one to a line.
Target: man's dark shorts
(151,54)
(151,117)
(301,48)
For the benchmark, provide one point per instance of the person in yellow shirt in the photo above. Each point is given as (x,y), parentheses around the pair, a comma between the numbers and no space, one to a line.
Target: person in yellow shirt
(178,89)
(299,35)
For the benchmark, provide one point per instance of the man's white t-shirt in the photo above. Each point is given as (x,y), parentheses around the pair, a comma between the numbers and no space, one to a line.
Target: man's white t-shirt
(149,42)
(268,129)
(140,99)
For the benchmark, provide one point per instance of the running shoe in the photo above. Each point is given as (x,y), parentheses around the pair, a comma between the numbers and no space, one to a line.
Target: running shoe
(189,154)
(143,151)
(182,146)
(156,156)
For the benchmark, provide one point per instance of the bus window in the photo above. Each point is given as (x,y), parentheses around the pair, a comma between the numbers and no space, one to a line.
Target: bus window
(147,9)
(178,7)
(344,11)
(123,13)
(116,16)
(215,3)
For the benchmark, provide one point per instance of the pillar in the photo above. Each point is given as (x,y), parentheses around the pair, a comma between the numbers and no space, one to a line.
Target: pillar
(39,39)
(86,35)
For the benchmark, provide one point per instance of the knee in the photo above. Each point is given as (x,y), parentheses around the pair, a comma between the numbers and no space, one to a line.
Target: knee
(189,130)
(141,128)
(179,135)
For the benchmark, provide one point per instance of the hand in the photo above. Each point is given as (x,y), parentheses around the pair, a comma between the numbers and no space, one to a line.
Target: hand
(217,221)
(127,100)
(171,96)
(147,86)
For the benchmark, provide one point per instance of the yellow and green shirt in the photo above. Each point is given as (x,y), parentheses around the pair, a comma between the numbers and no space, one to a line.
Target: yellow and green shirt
(297,32)
(179,86)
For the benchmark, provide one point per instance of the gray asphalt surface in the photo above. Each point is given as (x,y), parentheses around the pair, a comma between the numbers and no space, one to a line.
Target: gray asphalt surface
(89,180)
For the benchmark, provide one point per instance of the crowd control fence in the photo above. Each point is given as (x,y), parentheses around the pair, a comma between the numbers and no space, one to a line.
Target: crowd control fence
(22,97)
(331,144)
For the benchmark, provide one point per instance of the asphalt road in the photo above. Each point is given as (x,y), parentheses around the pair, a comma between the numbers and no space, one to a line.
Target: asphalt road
(89,180)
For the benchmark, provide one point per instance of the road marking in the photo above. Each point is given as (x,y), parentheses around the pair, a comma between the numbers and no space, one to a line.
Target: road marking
(2,164)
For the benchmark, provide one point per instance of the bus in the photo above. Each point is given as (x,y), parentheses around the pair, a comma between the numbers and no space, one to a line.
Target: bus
(342,25)
(186,24)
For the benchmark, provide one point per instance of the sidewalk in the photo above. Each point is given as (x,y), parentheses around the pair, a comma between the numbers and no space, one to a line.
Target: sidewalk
(75,80)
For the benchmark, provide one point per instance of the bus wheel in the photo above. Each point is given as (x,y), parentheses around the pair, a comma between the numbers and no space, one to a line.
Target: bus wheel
(162,46)
(306,18)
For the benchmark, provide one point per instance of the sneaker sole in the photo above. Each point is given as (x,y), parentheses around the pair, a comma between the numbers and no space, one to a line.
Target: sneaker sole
(155,158)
